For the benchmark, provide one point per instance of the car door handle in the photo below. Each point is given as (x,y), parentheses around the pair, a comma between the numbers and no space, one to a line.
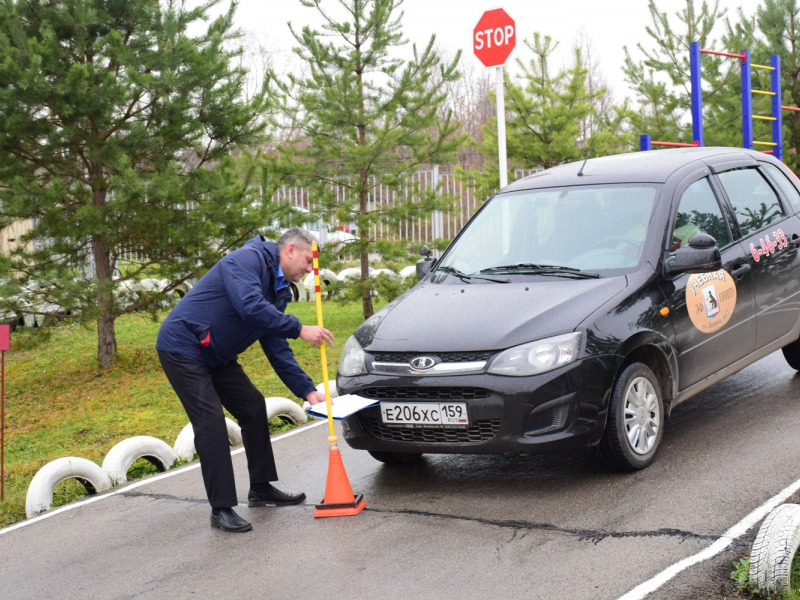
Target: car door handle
(740,270)
(795,241)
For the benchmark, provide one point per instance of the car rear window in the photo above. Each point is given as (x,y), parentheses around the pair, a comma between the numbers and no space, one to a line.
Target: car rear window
(754,202)
(783,182)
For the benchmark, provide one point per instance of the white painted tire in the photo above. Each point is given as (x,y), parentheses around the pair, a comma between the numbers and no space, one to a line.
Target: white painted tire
(120,458)
(389,272)
(299,293)
(331,386)
(286,409)
(407,272)
(184,443)
(326,277)
(353,273)
(40,491)
(774,548)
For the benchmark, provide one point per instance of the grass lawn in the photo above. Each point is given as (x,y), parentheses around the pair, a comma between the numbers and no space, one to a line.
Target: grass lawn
(59,404)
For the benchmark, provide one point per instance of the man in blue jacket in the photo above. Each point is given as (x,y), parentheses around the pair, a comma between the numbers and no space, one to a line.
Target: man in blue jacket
(240,300)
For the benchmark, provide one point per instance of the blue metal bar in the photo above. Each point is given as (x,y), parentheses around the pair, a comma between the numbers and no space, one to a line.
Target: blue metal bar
(645,143)
(747,103)
(697,93)
(777,124)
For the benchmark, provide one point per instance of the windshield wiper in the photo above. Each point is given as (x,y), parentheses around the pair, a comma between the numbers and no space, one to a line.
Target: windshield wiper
(542,270)
(464,277)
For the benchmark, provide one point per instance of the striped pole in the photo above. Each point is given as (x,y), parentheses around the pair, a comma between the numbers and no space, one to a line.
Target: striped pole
(318,294)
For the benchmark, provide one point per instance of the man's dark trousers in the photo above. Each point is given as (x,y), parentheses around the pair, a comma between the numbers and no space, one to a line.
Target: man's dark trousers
(204,391)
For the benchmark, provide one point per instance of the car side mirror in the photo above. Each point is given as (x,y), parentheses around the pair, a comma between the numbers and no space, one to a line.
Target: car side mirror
(424,266)
(700,256)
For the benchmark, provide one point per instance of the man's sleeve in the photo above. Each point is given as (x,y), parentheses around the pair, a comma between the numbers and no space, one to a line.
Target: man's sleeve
(240,277)
(282,359)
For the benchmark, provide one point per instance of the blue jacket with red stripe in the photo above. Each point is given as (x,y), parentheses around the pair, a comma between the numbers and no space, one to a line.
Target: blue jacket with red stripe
(231,307)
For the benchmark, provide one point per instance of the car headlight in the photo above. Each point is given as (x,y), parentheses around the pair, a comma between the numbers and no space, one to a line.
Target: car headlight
(351,362)
(537,357)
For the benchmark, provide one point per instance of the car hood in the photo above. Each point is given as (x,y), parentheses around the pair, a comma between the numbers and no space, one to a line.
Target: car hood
(477,316)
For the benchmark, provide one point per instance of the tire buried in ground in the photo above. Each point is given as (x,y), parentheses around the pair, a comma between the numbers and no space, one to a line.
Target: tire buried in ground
(285,409)
(120,458)
(40,492)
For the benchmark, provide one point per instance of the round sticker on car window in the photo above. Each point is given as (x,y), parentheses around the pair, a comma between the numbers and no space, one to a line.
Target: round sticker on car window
(710,299)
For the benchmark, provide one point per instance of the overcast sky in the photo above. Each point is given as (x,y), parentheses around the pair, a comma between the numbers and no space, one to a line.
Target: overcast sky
(609,24)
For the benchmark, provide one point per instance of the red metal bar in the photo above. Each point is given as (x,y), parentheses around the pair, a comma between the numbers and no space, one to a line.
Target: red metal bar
(767,152)
(677,144)
(792,108)
(739,56)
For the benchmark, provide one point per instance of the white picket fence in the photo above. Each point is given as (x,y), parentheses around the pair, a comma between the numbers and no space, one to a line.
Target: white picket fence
(437,226)
(419,231)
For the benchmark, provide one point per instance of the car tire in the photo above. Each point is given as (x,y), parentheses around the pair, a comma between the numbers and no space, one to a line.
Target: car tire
(774,548)
(631,444)
(396,458)
(792,354)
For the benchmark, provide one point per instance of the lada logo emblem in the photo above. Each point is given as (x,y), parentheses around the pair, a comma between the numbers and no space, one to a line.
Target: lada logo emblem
(422,363)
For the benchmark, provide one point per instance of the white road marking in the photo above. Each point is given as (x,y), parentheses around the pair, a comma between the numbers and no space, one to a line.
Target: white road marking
(651,585)
(141,482)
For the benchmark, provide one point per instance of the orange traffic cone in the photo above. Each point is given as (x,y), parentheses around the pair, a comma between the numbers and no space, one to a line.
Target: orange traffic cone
(339,500)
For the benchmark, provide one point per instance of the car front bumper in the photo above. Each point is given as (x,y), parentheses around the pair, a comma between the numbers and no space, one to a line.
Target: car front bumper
(564,408)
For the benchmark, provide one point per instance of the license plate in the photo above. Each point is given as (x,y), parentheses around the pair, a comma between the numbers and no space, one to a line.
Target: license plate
(427,414)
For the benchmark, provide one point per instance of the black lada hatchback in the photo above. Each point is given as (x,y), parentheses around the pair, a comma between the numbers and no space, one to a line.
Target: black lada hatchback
(580,305)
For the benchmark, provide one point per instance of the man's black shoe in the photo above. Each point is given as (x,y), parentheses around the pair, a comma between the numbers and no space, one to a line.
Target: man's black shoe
(274,497)
(227,520)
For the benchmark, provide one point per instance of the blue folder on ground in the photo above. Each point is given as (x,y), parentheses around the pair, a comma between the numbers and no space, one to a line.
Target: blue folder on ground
(343,407)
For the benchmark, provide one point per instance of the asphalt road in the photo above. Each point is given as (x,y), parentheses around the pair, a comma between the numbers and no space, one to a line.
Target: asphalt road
(539,527)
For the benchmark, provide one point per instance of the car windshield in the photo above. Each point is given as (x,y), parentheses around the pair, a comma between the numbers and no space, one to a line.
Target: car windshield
(554,231)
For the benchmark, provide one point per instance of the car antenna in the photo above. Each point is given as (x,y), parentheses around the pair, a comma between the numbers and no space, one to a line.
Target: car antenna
(588,154)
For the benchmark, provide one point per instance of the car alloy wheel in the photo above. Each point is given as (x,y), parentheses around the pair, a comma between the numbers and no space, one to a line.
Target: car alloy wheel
(635,419)
(642,415)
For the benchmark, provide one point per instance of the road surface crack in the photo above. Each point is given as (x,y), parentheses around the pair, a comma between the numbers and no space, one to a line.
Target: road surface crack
(162,497)
(589,535)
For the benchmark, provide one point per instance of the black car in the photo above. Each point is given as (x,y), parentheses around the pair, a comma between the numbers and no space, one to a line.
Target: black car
(580,305)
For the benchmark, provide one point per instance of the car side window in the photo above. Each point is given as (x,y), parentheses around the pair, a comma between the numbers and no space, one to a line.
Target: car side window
(754,202)
(699,212)
(783,182)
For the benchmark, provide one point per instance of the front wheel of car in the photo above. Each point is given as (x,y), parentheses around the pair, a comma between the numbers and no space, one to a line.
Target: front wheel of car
(395,458)
(635,420)
(792,354)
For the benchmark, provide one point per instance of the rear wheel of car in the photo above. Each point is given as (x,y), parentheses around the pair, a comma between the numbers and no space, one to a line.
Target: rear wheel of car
(792,354)
(635,420)
(396,458)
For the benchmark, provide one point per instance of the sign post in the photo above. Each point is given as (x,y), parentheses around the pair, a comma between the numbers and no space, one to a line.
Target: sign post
(493,38)
(5,344)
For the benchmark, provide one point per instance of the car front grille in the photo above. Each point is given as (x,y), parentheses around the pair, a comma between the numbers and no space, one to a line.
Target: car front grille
(479,431)
(445,357)
(423,393)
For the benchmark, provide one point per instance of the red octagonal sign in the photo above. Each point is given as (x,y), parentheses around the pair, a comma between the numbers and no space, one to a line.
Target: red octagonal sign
(494,37)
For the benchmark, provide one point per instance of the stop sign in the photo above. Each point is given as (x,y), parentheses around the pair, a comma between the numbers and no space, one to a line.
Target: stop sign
(494,37)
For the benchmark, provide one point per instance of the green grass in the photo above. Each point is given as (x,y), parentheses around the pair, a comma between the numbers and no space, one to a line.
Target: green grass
(59,404)
(741,575)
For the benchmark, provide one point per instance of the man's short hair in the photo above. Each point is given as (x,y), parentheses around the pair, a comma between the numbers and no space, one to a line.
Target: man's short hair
(297,236)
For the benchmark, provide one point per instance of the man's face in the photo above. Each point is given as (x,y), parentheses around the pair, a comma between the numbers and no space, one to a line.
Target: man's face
(296,261)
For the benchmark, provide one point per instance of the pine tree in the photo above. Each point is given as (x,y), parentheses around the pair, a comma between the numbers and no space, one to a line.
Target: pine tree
(779,23)
(367,118)
(662,80)
(551,118)
(117,132)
